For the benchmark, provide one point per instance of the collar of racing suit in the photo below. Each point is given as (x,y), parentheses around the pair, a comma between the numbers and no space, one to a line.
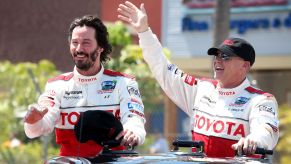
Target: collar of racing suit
(81,79)
(232,91)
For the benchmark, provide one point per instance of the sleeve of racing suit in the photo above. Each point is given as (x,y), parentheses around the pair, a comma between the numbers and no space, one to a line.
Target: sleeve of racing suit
(46,125)
(132,109)
(264,123)
(173,81)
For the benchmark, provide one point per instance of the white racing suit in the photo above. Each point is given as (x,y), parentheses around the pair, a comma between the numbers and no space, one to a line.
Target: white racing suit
(219,117)
(71,93)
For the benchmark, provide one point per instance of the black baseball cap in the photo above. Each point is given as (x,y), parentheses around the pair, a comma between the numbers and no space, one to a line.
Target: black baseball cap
(235,47)
(97,125)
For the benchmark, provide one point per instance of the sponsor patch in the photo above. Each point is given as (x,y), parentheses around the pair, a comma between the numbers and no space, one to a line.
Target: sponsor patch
(226,93)
(72,92)
(236,109)
(178,72)
(73,95)
(241,100)
(212,125)
(138,113)
(275,129)
(51,92)
(104,91)
(189,80)
(206,100)
(133,91)
(171,67)
(108,85)
(135,106)
(87,80)
(268,109)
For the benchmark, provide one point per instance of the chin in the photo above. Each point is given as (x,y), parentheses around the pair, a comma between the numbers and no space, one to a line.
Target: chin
(217,77)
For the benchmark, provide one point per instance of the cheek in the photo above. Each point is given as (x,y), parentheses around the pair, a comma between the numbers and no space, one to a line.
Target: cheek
(236,69)
(71,52)
(72,49)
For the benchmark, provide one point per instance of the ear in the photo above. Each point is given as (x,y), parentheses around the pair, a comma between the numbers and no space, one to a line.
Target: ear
(247,65)
(100,50)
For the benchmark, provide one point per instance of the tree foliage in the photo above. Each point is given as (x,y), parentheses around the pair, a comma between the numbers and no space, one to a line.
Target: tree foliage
(284,145)
(119,37)
(20,85)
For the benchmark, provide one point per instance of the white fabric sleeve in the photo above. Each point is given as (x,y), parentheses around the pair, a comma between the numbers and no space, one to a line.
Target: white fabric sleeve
(136,125)
(179,87)
(264,123)
(132,109)
(46,125)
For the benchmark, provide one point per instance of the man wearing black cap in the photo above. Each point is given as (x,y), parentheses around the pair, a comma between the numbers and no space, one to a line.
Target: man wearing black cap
(89,87)
(226,112)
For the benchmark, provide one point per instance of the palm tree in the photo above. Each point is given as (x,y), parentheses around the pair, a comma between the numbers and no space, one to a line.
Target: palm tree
(221,21)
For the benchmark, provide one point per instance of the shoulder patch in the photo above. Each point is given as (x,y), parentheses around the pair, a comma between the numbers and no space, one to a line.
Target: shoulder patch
(114,73)
(61,77)
(191,80)
(258,91)
(214,82)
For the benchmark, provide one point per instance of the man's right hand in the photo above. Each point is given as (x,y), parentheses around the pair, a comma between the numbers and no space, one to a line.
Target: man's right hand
(34,114)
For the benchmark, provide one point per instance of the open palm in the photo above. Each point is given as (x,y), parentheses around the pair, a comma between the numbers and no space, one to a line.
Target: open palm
(134,16)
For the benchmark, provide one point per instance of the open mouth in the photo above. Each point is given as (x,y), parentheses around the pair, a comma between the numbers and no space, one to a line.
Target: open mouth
(80,55)
(218,68)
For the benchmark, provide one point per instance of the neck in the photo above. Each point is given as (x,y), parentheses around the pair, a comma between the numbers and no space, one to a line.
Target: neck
(91,71)
(232,84)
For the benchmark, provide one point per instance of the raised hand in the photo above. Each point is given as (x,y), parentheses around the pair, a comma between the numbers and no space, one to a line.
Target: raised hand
(34,114)
(136,17)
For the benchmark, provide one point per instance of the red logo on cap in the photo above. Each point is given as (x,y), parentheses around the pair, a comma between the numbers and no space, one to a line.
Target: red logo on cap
(228,42)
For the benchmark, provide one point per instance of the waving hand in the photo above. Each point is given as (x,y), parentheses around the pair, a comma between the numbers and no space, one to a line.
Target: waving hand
(133,15)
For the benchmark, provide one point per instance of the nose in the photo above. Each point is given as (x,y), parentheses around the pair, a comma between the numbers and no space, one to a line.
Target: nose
(79,48)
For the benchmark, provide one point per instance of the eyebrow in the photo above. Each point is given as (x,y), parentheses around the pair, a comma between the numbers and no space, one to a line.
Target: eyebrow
(83,39)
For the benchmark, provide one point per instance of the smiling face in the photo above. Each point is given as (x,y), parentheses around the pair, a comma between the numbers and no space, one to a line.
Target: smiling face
(231,72)
(85,50)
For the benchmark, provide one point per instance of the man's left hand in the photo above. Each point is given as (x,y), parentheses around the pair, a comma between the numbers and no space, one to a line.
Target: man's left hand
(129,138)
(246,145)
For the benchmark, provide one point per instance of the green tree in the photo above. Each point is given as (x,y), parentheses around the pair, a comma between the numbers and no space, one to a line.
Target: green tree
(119,37)
(283,147)
(19,86)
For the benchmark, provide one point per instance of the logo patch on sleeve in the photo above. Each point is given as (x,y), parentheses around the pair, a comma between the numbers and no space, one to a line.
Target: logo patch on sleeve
(135,106)
(133,91)
(275,129)
(267,109)
(189,80)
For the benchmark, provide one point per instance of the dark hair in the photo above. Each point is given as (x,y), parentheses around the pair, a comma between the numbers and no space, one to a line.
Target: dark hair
(101,34)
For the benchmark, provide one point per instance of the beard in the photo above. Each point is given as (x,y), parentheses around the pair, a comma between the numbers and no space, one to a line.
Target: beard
(85,65)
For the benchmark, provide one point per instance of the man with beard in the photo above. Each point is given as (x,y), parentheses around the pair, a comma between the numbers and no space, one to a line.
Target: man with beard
(226,112)
(88,87)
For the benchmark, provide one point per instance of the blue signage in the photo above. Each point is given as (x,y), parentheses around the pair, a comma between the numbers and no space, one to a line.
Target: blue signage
(241,25)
